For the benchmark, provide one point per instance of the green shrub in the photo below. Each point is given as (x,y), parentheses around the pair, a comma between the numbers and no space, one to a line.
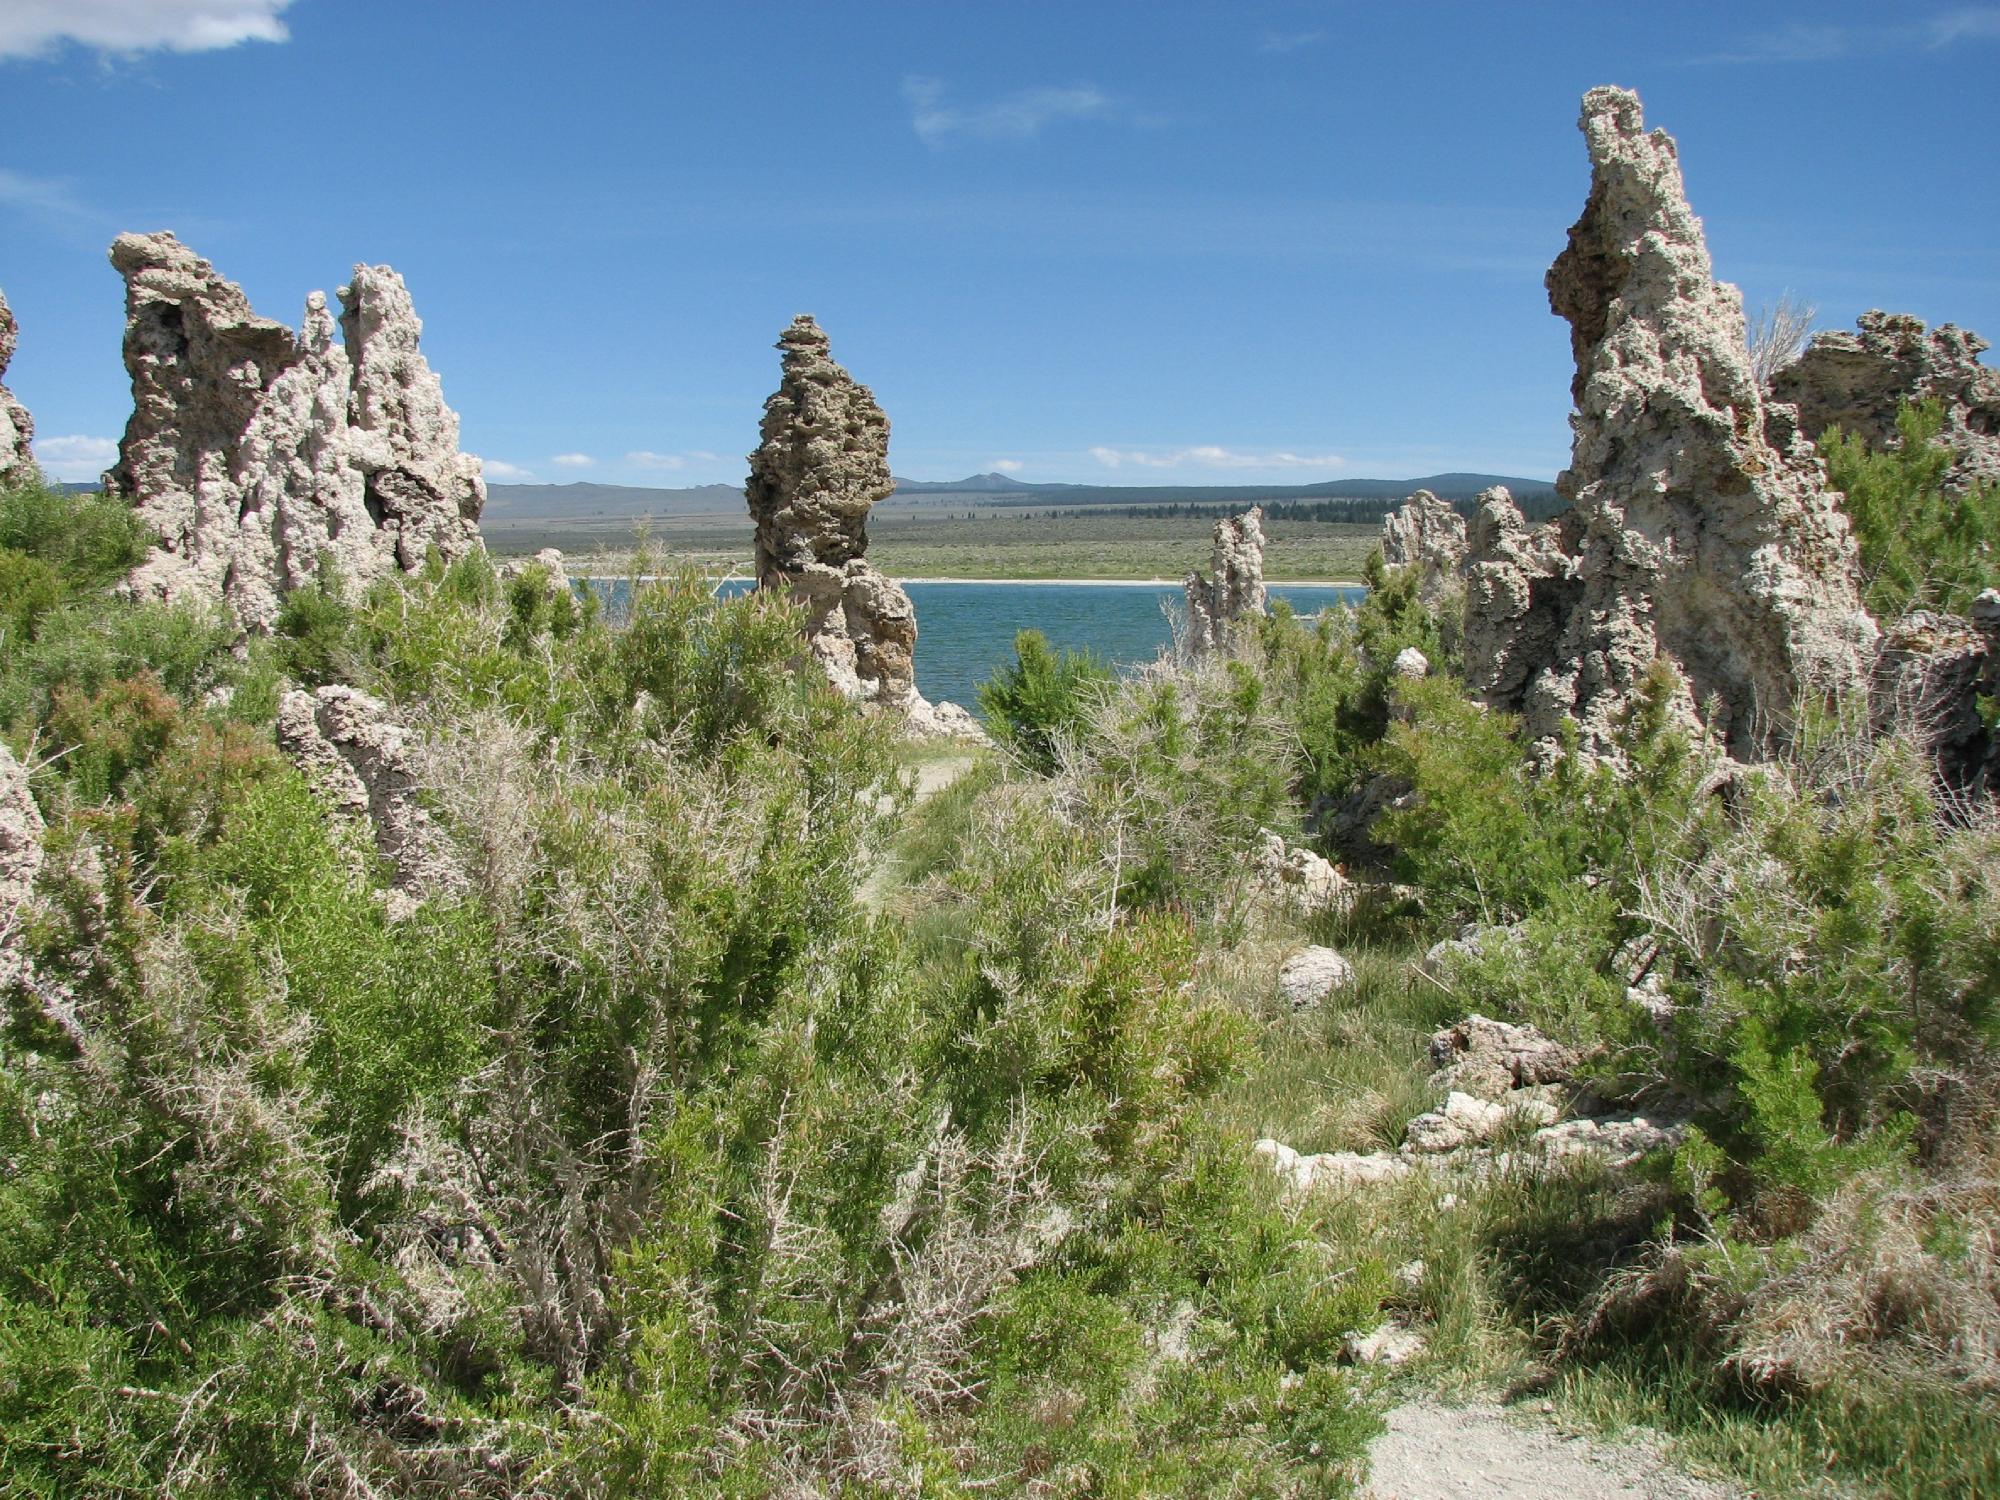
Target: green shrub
(1043,700)
(1920,546)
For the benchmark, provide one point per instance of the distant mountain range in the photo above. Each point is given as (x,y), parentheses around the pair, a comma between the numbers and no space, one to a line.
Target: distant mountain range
(537,502)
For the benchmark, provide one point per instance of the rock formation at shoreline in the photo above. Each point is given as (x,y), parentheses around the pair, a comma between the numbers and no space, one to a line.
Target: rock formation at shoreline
(822,464)
(1702,529)
(17,428)
(357,756)
(20,861)
(1236,592)
(1859,381)
(1425,533)
(255,451)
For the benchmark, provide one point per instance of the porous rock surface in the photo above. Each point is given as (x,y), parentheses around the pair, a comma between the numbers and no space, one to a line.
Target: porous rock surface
(358,757)
(17,428)
(1934,673)
(1308,977)
(255,451)
(1300,876)
(20,860)
(1425,533)
(1236,592)
(1859,381)
(822,464)
(1701,528)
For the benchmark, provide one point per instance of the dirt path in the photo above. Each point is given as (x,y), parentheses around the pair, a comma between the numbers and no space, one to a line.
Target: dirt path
(1433,1452)
(932,777)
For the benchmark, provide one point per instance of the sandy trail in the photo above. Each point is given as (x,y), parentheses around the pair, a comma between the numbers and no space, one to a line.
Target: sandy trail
(1433,1452)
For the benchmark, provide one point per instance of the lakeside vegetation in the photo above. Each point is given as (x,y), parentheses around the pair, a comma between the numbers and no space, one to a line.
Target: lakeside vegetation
(644,1157)
(986,543)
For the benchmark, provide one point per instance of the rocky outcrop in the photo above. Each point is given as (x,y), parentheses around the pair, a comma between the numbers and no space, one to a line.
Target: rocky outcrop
(1301,878)
(1934,673)
(1702,530)
(1428,534)
(359,758)
(1520,591)
(20,861)
(17,428)
(1236,592)
(1859,381)
(255,452)
(821,466)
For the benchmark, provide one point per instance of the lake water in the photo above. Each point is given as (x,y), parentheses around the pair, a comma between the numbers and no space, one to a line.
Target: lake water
(965,631)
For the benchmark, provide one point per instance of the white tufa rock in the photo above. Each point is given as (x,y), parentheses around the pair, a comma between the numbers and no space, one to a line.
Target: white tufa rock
(1701,530)
(1860,381)
(1308,977)
(1391,1344)
(255,452)
(20,861)
(1428,534)
(1301,876)
(17,428)
(1236,593)
(1412,663)
(358,757)
(821,466)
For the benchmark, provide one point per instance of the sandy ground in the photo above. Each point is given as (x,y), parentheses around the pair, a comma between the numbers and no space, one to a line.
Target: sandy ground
(1433,1452)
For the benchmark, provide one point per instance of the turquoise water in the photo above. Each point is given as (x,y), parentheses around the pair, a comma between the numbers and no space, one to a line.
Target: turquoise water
(966,630)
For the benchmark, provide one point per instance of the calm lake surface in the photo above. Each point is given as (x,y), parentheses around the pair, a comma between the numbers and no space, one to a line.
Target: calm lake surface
(965,631)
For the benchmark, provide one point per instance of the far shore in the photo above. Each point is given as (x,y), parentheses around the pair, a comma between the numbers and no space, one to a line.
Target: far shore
(1128,583)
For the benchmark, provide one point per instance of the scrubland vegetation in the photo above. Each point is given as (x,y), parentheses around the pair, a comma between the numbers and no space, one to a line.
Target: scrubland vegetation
(643,1158)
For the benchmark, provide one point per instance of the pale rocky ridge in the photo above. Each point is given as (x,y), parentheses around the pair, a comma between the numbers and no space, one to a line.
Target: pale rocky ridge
(1701,531)
(20,861)
(1859,382)
(255,451)
(1429,534)
(1217,605)
(821,466)
(360,759)
(17,428)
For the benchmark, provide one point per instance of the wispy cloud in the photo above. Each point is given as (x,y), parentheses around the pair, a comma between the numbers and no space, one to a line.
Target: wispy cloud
(53,201)
(1289,41)
(1813,41)
(645,458)
(34,28)
(1007,465)
(572,460)
(506,473)
(1208,456)
(1012,117)
(76,457)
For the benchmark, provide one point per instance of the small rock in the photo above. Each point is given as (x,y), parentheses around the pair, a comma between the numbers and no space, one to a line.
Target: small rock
(1392,1344)
(1312,974)
(1410,662)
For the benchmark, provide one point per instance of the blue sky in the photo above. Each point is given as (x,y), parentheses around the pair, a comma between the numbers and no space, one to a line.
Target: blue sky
(1110,242)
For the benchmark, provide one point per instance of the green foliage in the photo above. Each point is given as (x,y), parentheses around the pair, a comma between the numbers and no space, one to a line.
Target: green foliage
(1043,701)
(1921,547)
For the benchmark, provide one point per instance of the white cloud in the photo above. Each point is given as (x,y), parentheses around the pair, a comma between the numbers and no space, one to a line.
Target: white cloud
(573,460)
(43,198)
(1208,456)
(1012,117)
(31,28)
(76,457)
(1007,465)
(506,473)
(645,458)
(1810,42)
(1292,41)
